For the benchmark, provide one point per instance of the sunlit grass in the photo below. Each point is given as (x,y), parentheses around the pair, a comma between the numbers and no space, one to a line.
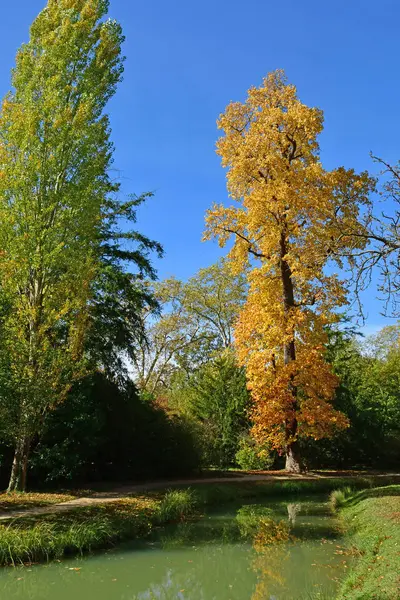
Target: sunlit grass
(177,505)
(372,518)
(27,540)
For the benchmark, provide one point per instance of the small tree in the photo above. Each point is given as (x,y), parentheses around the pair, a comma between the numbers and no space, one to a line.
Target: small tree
(284,229)
(216,297)
(174,334)
(55,153)
(196,320)
(216,397)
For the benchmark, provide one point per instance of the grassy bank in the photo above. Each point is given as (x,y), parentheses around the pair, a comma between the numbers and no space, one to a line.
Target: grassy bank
(52,536)
(27,540)
(372,519)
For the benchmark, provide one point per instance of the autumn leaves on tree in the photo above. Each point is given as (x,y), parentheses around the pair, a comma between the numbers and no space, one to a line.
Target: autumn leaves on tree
(287,224)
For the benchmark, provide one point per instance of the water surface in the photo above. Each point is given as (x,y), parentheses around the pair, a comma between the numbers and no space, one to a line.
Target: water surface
(281,550)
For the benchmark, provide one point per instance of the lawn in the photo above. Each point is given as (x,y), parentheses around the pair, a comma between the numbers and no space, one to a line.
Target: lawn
(372,518)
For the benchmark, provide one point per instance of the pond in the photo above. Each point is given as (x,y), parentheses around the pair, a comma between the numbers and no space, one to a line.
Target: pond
(281,550)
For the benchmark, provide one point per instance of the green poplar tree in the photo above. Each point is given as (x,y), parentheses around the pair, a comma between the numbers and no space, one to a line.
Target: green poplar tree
(55,154)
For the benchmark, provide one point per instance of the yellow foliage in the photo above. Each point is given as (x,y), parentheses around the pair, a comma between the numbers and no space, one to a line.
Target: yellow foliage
(289,219)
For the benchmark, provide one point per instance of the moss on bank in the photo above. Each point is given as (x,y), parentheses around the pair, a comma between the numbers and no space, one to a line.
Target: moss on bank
(372,518)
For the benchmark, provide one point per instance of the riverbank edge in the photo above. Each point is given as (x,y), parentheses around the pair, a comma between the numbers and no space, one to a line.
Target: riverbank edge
(27,540)
(370,519)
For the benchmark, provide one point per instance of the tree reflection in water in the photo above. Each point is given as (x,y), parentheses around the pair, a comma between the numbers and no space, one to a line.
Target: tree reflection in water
(293,510)
(270,543)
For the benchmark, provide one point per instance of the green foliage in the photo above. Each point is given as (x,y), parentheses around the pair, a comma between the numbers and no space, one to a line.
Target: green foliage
(121,295)
(252,457)
(337,498)
(196,320)
(216,296)
(177,505)
(68,303)
(371,518)
(369,394)
(216,397)
(106,432)
(55,156)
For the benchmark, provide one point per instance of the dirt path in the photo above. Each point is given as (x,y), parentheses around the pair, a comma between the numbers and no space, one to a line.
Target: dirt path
(125,491)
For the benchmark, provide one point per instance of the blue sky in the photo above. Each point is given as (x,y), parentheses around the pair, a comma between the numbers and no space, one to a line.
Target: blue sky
(187,60)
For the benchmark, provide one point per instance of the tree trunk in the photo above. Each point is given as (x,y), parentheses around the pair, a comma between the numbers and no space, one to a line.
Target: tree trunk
(15,469)
(293,460)
(24,465)
(19,467)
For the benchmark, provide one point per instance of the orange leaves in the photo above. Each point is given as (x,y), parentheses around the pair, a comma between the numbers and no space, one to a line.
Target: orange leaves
(287,222)
(301,389)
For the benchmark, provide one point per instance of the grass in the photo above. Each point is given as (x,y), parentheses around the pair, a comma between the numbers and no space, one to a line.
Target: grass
(372,519)
(177,505)
(27,540)
(338,498)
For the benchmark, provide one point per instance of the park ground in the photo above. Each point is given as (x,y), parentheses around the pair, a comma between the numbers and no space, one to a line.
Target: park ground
(37,503)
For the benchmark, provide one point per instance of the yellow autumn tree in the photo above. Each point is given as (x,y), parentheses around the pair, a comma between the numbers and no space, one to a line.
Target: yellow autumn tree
(285,226)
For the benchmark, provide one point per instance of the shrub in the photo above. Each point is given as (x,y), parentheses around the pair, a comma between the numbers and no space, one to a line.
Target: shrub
(176,505)
(252,457)
(106,432)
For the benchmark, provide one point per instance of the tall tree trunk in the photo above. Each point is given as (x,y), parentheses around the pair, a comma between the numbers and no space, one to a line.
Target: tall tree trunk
(24,464)
(293,460)
(19,469)
(16,468)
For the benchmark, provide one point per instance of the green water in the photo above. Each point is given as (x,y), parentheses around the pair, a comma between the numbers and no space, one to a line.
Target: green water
(270,551)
